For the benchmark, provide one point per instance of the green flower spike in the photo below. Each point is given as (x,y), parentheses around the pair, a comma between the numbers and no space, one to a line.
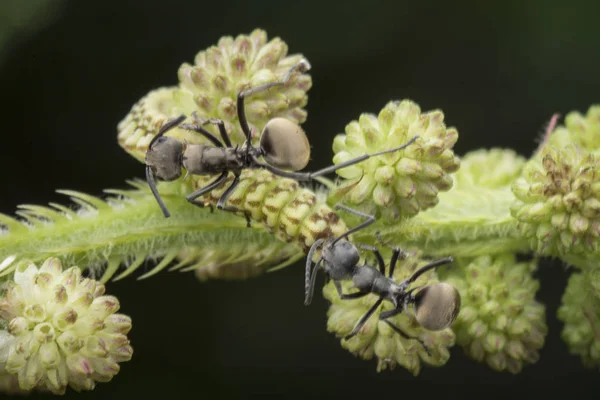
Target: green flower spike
(500,322)
(401,183)
(233,263)
(558,201)
(580,313)
(62,329)
(376,338)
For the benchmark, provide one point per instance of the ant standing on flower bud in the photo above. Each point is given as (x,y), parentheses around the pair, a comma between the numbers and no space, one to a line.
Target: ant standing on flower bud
(283,145)
(435,306)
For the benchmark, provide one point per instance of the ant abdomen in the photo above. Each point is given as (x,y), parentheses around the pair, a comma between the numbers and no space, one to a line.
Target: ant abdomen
(437,306)
(285,145)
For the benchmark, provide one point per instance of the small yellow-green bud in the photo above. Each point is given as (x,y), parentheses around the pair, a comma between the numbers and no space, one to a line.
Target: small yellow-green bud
(558,201)
(379,340)
(580,313)
(500,322)
(581,130)
(57,341)
(402,183)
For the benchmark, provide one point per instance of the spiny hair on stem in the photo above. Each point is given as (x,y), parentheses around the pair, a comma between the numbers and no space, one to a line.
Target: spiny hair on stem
(90,234)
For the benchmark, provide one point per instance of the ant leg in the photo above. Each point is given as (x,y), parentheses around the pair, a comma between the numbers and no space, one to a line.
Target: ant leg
(206,189)
(425,268)
(203,132)
(310,279)
(225,196)
(363,319)
(215,121)
(302,66)
(391,313)
(348,296)
(203,205)
(397,253)
(377,255)
(307,176)
(369,221)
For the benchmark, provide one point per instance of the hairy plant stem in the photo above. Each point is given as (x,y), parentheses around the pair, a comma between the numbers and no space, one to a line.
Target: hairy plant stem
(115,231)
(466,223)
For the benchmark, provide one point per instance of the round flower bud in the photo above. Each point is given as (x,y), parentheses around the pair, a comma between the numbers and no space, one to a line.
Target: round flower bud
(580,313)
(402,183)
(53,341)
(211,85)
(500,322)
(581,130)
(376,338)
(558,201)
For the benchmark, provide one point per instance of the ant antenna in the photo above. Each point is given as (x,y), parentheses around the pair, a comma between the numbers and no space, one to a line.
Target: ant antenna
(362,225)
(309,279)
(170,124)
(154,190)
(150,174)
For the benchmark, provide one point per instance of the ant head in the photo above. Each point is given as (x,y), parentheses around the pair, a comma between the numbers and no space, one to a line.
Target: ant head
(285,145)
(437,306)
(342,254)
(164,157)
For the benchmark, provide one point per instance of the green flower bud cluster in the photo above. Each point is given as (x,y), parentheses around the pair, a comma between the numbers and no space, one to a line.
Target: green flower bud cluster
(500,322)
(489,168)
(580,313)
(558,201)
(376,338)
(62,329)
(581,130)
(402,183)
(212,84)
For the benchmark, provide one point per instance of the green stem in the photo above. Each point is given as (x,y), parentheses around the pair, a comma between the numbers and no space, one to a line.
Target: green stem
(132,226)
(465,223)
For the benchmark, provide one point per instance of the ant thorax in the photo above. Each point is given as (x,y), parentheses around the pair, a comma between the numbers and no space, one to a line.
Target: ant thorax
(200,159)
(369,279)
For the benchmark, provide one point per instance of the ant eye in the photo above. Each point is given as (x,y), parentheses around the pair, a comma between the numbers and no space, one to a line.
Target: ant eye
(285,144)
(161,139)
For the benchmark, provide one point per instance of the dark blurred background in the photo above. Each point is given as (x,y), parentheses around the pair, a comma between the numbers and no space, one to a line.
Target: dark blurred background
(71,70)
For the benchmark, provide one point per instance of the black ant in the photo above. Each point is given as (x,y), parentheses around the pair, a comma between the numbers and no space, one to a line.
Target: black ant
(436,305)
(283,145)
